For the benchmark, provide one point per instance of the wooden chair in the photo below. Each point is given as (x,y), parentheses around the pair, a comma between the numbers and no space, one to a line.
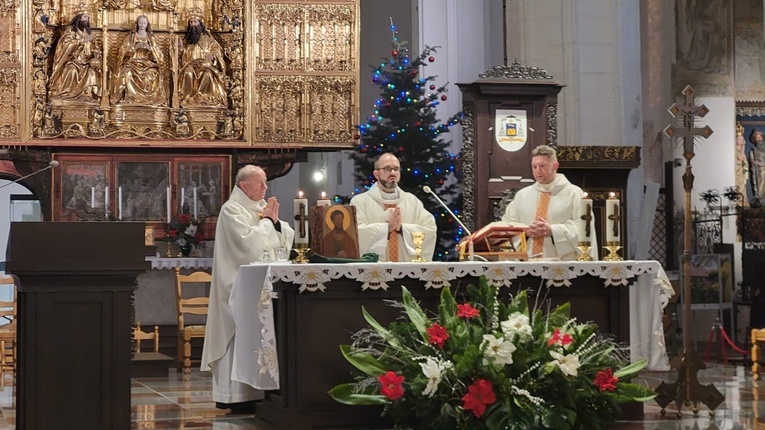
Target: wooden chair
(8,327)
(189,305)
(140,335)
(758,335)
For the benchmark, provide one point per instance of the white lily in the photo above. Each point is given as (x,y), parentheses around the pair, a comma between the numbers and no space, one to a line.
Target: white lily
(517,324)
(434,371)
(497,350)
(568,364)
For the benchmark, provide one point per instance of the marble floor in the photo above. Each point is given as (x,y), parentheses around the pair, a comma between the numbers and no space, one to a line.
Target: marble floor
(175,402)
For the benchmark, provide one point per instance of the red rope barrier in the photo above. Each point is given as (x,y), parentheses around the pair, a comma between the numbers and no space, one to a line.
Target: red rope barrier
(730,342)
(727,340)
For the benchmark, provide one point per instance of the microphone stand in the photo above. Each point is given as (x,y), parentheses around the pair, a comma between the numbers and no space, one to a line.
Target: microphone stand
(471,253)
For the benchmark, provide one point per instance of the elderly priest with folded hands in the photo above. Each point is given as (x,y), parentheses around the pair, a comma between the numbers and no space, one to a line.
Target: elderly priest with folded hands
(248,227)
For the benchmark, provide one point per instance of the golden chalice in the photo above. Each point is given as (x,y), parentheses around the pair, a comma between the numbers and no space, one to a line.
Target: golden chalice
(418,237)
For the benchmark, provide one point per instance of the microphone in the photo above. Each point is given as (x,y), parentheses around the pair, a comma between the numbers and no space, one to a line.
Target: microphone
(50,165)
(472,256)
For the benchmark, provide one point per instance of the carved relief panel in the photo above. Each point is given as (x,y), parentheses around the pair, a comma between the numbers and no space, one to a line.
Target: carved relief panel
(271,73)
(11,75)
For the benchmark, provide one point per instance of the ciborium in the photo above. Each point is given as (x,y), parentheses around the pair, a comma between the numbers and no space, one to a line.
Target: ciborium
(418,237)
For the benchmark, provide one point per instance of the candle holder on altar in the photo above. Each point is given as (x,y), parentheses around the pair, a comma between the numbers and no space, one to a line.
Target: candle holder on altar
(418,237)
(301,250)
(613,251)
(584,251)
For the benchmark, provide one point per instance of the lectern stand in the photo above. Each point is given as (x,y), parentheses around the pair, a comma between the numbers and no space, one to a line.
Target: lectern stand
(74,322)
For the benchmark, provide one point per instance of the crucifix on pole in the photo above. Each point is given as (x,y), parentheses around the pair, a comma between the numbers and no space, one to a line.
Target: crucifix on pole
(687,390)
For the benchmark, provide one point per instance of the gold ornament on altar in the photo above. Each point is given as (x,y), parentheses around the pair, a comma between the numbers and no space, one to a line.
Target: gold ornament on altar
(301,250)
(613,251)
(418,237)
(584,251)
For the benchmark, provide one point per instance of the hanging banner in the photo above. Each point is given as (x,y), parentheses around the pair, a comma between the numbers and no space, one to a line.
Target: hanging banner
(510,129)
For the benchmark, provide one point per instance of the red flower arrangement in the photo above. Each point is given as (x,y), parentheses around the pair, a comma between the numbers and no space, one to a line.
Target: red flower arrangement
(185,230)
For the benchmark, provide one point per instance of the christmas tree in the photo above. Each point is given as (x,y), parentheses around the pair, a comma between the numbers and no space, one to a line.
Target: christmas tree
(404,123)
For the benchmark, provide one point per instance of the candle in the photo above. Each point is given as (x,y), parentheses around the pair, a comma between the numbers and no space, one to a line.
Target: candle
(613,219)
(92,197)
(323,201)
(183,198)
(119,202)
(301,219)
(106,200)
(583,223)
(195,203)
(168,204)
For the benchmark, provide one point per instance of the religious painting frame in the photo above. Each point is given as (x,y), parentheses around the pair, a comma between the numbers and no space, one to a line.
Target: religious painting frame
(81,183)
(334,236)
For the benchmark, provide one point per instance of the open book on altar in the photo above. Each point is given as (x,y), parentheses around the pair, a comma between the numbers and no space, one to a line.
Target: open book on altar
(498,241)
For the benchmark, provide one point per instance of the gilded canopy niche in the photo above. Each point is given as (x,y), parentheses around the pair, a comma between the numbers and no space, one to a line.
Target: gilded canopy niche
(117,73)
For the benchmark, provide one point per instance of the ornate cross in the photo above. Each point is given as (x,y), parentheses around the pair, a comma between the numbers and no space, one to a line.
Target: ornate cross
(688,110)
(587,218)
(302,218)
(615,217)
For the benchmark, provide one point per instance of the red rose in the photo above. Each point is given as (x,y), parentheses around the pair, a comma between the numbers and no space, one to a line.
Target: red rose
(184,219)
(467,311)
(605,380)
(437,335)
(392,385)
(172,233)
(480,394)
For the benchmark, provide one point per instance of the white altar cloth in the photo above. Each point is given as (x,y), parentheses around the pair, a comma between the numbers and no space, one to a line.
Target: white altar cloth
(255,360)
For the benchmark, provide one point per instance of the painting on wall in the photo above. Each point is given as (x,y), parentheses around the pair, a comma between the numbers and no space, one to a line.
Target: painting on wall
(705,46)
(200,186)
(81,185)
(142,189)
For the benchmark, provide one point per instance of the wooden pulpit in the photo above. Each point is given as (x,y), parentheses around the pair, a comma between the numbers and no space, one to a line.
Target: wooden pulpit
(74,322)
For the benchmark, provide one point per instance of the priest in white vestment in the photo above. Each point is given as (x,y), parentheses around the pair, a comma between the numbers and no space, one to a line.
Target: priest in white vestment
(387,216)
(551,208)
(248,229)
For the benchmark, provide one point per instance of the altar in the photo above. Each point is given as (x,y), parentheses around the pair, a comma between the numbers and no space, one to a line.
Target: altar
(291,319)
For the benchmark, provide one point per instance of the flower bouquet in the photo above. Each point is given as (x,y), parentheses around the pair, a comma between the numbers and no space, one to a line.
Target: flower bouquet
(489,363)
(186,231)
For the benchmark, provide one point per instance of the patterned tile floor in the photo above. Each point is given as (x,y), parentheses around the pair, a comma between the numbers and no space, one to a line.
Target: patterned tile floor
(175,402)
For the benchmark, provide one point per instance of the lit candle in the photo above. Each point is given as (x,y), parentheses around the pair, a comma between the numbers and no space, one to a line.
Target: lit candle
(613,218)
(168,204)
(301,219)
(106,200)
(183,198)
(195,203)
(323,201)
(583,223)
(119,202)
(92,197)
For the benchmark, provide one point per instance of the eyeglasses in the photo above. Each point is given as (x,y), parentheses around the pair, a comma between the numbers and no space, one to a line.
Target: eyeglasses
(388,170)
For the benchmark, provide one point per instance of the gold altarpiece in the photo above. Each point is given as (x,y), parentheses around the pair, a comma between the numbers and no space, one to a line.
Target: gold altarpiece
(291,74)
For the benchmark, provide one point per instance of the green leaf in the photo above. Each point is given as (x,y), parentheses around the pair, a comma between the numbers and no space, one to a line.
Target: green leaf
(363,361)
(638,393)
(415,313)
(382,331)
(343,393)
(631,369)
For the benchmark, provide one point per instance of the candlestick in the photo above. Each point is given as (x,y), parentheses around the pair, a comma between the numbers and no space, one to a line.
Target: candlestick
(106,201)
(168,204)
(583,223)
(92,197)
(301,219)
(195,203)
(613,216)
(183,198)
(323,201)
(119,202)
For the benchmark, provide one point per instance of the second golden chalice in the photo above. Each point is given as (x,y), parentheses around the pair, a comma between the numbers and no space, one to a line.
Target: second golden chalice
(418,237)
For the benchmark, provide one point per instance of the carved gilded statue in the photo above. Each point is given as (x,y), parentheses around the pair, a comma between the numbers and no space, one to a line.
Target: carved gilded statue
(203,71)
(140,78)
(76,65)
